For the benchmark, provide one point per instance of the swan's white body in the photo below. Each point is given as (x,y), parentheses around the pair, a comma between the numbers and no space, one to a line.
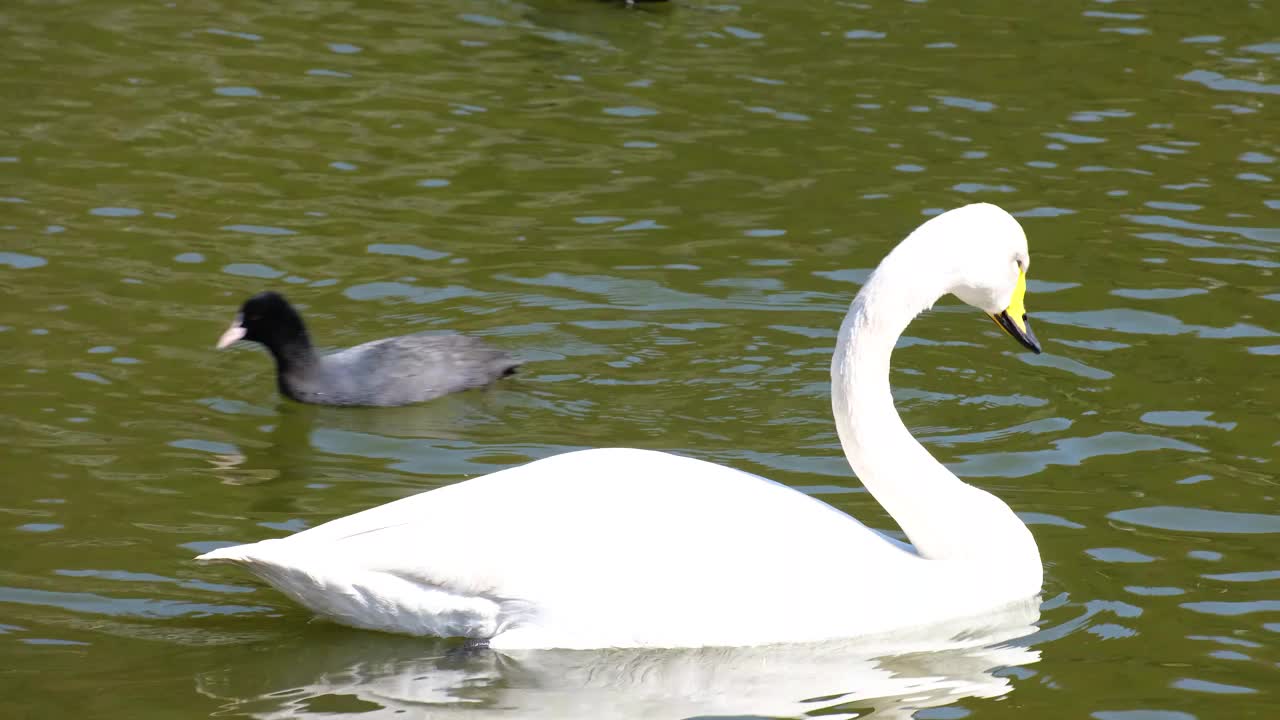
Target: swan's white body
(634,548)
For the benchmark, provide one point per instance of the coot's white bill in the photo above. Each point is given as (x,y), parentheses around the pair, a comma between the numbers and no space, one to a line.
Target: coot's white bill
(233,333)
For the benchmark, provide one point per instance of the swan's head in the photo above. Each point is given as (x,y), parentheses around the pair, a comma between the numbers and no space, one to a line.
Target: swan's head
(985,252)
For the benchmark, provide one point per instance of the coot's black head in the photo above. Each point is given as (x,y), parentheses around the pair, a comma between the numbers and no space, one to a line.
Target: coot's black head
(269,319)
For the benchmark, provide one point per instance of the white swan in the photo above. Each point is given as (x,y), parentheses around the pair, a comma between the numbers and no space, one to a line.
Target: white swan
(634,548)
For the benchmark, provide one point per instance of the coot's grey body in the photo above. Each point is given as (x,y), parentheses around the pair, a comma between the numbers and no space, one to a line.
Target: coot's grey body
(393,371)
(397,371)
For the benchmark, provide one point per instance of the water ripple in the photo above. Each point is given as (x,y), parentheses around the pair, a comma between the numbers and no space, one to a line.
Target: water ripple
(1198,520)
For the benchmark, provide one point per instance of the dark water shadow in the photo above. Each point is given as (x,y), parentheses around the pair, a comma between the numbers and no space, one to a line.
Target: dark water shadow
(303,445)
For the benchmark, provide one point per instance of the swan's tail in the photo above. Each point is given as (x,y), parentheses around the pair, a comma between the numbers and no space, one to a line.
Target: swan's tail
(246,554)
(348,593)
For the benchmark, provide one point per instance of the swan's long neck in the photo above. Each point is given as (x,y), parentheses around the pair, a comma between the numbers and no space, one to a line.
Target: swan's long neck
(945,518)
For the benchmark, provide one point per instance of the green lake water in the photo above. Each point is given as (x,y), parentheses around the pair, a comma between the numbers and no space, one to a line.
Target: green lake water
(665,210)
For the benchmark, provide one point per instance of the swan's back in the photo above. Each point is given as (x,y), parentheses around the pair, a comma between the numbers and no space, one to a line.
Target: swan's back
(622,515)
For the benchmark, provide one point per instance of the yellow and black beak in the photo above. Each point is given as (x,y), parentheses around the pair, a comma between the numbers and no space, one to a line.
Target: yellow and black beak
(1014,318)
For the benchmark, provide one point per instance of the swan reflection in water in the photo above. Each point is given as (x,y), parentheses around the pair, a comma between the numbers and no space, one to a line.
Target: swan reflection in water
(372,676)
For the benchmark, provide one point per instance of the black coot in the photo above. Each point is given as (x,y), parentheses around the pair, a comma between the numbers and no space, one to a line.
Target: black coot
(395,371)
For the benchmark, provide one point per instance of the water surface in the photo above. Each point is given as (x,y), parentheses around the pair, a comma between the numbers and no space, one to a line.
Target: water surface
(666,210)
